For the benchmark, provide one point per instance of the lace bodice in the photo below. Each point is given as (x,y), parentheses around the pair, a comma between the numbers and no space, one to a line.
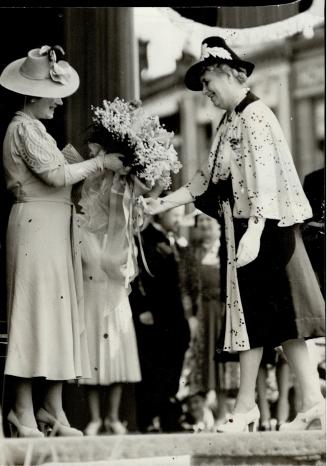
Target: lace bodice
(29,150)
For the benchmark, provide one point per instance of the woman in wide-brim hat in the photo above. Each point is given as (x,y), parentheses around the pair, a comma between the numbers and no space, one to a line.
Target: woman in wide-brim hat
(251,185)
(44,279)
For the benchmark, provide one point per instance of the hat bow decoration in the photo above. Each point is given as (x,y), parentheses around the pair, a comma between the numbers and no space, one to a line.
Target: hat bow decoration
(219,52)
(60,71)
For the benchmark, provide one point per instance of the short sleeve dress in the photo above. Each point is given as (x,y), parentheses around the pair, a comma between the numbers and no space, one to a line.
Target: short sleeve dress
(44,276)
(251,173)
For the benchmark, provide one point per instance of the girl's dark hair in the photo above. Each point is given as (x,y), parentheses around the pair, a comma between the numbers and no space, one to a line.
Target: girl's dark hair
(112,143)
(99,135)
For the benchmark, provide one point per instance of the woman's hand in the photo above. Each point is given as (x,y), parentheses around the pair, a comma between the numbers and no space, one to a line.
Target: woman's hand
(155,206)
(146,318)
(113,162)
(155,191)
(140,187)
(249,246)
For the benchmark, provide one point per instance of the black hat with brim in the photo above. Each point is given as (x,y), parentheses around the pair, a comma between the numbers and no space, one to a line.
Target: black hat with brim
(214,50)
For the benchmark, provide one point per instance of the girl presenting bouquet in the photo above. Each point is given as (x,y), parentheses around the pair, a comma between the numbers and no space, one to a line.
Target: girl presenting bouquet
(108,222)
(109,325)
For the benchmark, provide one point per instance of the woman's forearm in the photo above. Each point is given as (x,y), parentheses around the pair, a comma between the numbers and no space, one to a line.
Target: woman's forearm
(70,174)
(153,206)
(180,197)
(54,178)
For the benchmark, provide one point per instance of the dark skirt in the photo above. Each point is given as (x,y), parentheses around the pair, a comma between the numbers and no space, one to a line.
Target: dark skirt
(279,291)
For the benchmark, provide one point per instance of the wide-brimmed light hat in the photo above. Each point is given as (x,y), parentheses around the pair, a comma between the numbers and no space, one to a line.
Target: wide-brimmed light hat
(214,50)
(41,75)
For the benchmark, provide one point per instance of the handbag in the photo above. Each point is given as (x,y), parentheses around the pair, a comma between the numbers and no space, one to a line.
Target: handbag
(209,202)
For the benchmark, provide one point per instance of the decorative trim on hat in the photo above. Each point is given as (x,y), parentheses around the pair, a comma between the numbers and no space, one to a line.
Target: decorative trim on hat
(219,52)
(60,71)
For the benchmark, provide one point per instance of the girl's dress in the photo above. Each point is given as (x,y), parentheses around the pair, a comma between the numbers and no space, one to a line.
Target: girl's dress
(251,173)
(204,374)
(44,275)
(109,323)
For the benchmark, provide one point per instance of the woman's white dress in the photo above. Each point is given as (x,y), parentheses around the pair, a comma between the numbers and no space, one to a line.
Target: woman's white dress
(47,335)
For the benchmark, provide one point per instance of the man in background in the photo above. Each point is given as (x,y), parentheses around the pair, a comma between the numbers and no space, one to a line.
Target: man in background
(161,326)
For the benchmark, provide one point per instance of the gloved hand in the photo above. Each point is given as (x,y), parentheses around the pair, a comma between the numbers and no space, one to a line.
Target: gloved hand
(249,246)
(79,171)
(114,163)
(146,318)
(154,206)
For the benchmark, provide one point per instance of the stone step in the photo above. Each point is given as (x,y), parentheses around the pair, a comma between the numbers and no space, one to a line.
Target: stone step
(255,449)
(184,460)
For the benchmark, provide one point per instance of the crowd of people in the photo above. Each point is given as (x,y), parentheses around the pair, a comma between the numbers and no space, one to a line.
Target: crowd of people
(211,329)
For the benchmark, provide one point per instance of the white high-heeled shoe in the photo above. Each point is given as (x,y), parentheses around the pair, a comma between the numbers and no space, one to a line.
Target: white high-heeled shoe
(52,426)
(18,430)
(241,422)
(115,427)
(93,427)
(303,421)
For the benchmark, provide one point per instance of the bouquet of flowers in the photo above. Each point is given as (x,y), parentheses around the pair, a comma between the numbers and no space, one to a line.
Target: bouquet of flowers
(123,127)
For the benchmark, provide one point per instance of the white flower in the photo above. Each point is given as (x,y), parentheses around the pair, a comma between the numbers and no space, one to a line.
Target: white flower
(154,155)
(219,52)
(182,242)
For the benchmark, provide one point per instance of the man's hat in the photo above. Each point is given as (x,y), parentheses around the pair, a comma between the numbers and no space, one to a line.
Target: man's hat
(214,50)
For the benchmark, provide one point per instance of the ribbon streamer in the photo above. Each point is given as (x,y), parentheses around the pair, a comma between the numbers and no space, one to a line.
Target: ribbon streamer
(119,259)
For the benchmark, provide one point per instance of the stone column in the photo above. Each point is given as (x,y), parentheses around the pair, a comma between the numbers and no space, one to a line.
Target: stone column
(189,155)
(307,86)
(101,45)
(304,137)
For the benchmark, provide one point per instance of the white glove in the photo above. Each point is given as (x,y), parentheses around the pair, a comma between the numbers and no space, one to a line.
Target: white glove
(146,318)
(154,206)
(113,162)
(249,246)
(79,171)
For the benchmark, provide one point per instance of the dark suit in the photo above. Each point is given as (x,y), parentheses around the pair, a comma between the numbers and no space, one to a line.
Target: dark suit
(313,231)
(162,345)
